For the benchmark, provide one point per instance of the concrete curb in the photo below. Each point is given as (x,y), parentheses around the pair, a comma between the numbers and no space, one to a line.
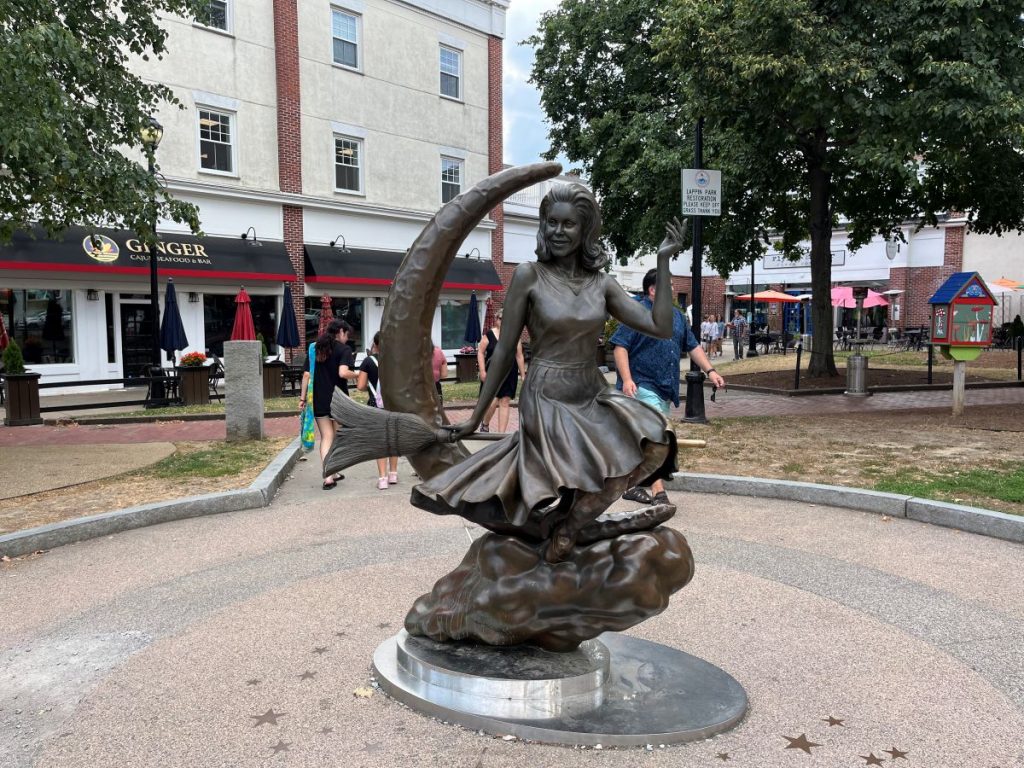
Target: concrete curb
(984,522)
(259,494)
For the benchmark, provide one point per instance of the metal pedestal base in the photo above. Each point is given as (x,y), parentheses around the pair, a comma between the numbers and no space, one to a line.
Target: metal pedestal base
(618,691)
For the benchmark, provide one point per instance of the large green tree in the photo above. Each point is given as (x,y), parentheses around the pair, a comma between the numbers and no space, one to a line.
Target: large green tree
(71,112)
(866,112)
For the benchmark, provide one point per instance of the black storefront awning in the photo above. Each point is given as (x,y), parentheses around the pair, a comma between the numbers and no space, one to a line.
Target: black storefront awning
(122,253)
(377,268)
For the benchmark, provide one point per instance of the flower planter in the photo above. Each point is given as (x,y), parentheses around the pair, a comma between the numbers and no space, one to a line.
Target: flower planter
(273,379)
(195,384)
(22,399)
(466,368)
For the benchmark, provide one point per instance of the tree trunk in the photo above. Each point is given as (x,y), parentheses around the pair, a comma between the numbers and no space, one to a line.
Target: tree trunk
(823,362)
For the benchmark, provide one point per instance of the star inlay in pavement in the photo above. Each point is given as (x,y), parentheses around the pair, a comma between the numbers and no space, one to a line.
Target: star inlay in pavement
(833,721)
(307,675)
(319,651)
(870,759)
(896,754)
(254,681)
(722,756)
(800,742)
(270,716)
(281,746)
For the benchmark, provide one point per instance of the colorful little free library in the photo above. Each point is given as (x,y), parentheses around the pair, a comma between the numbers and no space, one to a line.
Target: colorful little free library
(962,316)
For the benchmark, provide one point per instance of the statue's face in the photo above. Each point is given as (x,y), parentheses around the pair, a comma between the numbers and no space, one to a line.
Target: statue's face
(562,229)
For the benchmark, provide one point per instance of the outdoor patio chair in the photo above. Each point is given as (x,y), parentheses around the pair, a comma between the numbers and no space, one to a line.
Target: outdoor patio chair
(216,371)
(169,381)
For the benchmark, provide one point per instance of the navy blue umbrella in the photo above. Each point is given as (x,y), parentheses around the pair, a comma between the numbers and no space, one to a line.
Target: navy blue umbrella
(473,334)
(288,329)
(172,332)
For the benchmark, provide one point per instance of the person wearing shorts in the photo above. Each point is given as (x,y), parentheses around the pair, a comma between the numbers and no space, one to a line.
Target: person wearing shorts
(648,369)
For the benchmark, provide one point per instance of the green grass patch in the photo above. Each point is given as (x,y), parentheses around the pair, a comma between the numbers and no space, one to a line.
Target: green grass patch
(454,392)
(1004,483)
(217,460)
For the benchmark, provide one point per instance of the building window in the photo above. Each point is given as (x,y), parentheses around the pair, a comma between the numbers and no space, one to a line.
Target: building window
(41,321)
(454,316)
(348,162)
(343,308)
(451,73)
(345,29)
(217,14)
(451,178)
(216,141)
(219,319)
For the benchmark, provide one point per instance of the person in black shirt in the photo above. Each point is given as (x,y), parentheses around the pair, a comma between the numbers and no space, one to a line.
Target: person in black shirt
(369,380)
(335,366)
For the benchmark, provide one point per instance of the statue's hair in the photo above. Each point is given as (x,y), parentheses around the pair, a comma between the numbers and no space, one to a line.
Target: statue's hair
(582,199)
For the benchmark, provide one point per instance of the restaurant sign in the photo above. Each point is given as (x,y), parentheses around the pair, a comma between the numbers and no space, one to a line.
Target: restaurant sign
(778,260)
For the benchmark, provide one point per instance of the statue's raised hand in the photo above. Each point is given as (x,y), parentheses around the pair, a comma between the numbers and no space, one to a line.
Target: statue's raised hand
(675,232)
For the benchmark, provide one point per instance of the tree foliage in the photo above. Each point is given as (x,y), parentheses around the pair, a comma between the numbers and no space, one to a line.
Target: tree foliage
(71,112)
(817,111)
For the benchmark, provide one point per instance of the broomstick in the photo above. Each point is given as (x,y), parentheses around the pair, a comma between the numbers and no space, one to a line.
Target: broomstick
(373,433)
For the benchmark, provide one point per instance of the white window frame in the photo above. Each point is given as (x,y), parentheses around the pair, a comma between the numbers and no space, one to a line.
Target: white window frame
(358,16)
(461,165)
(233,125)
(361,142)
(229,20)
(442,47)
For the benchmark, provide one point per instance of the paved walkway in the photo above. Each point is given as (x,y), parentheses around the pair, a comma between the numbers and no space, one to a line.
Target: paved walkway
(240,639)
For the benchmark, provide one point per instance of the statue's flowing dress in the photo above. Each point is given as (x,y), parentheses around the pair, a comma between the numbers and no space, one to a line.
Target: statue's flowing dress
(575,430)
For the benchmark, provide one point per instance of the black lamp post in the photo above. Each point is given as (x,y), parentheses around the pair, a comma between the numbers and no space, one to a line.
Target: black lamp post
(693,411)
(151,133)
(752,349)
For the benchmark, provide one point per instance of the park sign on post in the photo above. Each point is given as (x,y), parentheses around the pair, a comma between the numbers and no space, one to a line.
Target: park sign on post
(702,192)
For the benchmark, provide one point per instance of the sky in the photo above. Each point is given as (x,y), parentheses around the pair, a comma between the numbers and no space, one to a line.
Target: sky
(525,132)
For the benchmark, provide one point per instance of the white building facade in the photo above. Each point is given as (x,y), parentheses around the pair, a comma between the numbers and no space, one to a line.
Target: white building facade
(328,133)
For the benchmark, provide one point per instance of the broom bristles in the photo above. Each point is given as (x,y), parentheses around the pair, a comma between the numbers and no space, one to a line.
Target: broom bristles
(366,433)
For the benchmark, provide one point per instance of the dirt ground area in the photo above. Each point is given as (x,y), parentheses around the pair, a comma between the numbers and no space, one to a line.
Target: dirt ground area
(863,450)
(876,377)
(126,490)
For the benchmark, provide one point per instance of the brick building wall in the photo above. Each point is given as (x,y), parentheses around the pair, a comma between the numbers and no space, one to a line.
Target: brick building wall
(289,145)
(712,295)
(495,161)
(919,283)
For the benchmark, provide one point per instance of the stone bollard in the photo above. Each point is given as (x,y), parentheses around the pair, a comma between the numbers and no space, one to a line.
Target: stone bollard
(243,390)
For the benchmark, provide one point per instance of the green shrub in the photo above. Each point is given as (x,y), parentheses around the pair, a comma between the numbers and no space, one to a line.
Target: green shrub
(13,360)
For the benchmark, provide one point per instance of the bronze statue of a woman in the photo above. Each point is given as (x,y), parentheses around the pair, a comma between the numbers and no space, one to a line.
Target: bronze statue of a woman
(580,442)
(555,570)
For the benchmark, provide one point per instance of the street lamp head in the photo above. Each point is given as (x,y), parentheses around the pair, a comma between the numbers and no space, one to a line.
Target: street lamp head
(255,240)
(470,254)
(151,133)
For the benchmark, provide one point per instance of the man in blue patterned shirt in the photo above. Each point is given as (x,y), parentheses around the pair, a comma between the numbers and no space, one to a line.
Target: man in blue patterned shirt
(648,369)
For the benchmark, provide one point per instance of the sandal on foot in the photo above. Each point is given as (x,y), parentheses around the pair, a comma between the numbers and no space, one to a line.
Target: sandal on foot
(660,498)
(330,486)
(392,478)
(636,493)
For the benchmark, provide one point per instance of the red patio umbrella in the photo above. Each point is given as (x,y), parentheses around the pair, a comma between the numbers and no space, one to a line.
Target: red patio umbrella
(243,329)
(771,297)
(326,313)
(843,297)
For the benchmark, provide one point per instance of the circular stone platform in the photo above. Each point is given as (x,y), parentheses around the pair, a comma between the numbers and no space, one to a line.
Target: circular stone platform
(614,691)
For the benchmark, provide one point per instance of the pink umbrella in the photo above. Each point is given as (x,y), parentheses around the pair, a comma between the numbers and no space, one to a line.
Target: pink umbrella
(843,297)
(243,329)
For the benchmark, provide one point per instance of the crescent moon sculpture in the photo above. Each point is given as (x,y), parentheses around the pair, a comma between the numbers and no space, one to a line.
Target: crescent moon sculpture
(406,345)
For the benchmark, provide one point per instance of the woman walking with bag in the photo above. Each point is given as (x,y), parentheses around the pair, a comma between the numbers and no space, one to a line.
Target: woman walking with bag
(369,378)
(329,365)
